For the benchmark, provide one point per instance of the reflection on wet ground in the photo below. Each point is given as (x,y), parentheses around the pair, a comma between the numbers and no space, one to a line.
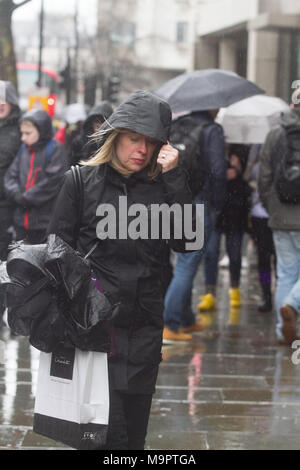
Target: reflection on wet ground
(231,387)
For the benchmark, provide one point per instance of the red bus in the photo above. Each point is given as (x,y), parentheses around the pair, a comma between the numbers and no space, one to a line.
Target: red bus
(30,95)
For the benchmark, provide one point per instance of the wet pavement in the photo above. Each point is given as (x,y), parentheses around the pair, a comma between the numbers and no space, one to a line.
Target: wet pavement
(231,387)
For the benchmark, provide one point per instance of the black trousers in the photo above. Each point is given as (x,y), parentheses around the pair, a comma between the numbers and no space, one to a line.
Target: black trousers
(128,420)
(263,238)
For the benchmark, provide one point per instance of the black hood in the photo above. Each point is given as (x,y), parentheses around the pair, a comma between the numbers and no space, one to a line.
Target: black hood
(42,122)
(143,113)
(101,111)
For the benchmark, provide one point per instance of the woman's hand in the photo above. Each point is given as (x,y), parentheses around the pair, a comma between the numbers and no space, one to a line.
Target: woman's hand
(168,157)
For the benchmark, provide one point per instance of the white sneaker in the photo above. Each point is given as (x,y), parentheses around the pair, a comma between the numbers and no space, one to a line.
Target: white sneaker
(224,263)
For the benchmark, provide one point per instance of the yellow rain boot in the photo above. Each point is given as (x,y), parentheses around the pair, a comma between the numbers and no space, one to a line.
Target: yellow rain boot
(235,297)
(234,316)
(208,302)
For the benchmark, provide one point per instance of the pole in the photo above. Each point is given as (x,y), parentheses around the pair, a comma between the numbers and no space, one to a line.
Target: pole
(39,82)
(76,51)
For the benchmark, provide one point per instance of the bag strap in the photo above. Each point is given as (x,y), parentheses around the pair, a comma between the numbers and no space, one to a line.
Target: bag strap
(78,183)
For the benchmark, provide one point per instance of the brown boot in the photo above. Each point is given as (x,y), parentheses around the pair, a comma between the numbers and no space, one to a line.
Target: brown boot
(197,326)
(288,329)
(171,337)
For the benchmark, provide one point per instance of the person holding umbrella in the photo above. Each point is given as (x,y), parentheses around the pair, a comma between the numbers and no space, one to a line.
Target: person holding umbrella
(178,315)
(200,93)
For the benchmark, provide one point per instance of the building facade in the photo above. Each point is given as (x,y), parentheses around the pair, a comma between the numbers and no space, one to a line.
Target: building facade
(260,39)
(145,42)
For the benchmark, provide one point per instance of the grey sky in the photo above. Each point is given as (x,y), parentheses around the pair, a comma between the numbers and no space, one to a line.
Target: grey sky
(87,10)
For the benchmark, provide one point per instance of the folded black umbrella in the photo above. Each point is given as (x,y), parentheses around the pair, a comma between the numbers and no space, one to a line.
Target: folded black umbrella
(66,265)
(206,89)
(52,298)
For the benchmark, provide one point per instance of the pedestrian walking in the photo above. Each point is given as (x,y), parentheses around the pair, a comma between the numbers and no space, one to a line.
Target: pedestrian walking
(33,178)
(10,140)
(260,231)
(179,318)
(82,146)
(279,184)
(134,161)
(233,223)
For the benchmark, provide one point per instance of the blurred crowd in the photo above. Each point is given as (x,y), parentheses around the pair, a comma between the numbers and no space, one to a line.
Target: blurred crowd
(249,193)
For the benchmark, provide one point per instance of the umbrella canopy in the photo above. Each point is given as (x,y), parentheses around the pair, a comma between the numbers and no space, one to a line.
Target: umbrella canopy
(74,112)
(249,121)
(206,89)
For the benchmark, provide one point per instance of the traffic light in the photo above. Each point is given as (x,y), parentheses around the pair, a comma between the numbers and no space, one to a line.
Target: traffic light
(113,89)
(66,81)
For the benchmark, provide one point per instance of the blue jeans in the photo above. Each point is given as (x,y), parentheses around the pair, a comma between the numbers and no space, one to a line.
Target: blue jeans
(178,310)
(287,246)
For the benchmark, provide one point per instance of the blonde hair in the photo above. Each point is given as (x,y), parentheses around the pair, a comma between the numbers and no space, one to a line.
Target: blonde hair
(107,153)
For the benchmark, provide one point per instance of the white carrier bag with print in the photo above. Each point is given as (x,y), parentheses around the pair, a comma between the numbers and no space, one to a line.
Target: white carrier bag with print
(72,398)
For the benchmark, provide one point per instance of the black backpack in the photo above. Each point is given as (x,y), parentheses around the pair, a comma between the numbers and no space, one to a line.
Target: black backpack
(186,136)
(287,175)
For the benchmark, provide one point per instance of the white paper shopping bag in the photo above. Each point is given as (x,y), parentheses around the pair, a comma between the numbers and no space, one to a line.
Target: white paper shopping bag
(72,399)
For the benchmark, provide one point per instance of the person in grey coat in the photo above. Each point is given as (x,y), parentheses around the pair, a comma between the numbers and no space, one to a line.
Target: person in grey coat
(284,220)
(10,140)
(33,179)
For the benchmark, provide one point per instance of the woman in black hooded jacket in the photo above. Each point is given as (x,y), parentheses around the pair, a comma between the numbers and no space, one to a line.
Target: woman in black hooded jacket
(135,165)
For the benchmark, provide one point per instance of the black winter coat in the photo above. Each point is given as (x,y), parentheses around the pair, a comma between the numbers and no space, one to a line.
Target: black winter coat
(10,140)
(129,271)
(9,145)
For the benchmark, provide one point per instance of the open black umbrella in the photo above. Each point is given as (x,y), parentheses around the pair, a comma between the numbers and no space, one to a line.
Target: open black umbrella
(206,89)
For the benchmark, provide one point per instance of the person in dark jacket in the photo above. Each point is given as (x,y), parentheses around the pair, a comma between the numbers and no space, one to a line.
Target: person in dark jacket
(233,222)
(135,166)
(178,315)
(10,140)
(33,179)
(284,220)
(83,147)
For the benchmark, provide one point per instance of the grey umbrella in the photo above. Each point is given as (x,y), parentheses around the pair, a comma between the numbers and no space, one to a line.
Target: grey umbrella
(206,89)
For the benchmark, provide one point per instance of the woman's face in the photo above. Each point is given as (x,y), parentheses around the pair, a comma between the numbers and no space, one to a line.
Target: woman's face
(5,110)
(134,151)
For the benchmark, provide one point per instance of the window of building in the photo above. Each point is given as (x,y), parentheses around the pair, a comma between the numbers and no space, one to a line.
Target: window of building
(181,32)
(123,32)
(295,62)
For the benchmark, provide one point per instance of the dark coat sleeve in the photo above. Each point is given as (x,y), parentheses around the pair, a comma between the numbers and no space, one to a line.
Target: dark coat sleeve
(65,215)
(266,167)
(178,192)
(11,180)
(9,146)
(215,151)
